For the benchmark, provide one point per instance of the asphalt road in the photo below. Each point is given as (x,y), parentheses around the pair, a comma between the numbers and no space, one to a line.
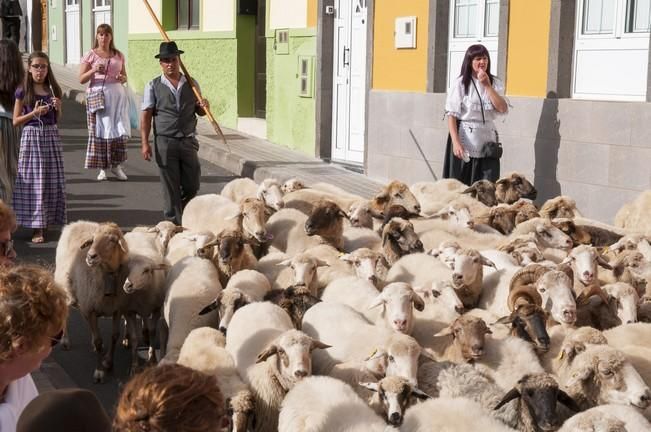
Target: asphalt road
(135,202)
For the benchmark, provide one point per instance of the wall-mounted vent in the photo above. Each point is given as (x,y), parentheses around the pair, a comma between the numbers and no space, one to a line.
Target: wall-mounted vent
(305,76)
(281,41)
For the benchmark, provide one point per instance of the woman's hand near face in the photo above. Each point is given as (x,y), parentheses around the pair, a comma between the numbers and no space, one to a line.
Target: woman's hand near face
(483,78)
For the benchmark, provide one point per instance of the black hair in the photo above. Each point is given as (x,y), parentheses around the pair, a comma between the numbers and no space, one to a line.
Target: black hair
(12,72)
(473,51)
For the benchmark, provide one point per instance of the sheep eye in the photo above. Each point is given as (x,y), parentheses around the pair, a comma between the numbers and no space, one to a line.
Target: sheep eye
(542,290)
(530,393)
(545,233)
(146,270)
(398,195)
(607,372)
(356,263)
(391,359)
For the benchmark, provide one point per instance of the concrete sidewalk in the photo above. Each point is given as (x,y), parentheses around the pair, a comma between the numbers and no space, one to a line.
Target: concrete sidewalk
(250,156)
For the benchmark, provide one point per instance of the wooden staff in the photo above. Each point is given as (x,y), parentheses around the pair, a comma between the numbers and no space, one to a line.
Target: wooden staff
(194,88)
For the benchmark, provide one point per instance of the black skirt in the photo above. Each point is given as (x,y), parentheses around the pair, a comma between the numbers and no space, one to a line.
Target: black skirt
(469,172)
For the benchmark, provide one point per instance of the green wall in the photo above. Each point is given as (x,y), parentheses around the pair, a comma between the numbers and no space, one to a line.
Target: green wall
(55,19)
(290,118)
(212,62)
(87,28)
(245,65)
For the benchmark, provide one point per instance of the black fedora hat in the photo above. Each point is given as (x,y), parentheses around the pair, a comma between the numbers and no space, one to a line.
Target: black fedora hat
(168,49)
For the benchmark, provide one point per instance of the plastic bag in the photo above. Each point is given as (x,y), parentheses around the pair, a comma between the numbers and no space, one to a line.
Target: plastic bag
(134,108)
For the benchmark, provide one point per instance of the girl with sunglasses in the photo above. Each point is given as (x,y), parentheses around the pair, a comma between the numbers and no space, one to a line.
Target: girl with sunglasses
(34,311)
(39,194)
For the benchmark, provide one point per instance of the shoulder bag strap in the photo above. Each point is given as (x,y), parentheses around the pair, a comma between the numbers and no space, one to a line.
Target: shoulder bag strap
(481,102)
(106,73)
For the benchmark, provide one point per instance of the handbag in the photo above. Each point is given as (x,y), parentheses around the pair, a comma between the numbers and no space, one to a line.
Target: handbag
(490,149)
(95,99)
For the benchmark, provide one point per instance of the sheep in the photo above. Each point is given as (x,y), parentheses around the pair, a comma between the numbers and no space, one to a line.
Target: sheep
(483,191)
(202,351)
(359,214)
(191,243)
(433,196)
(528,321)
(560,206)
(455,213)
(546,234)
(300,270)
(563,344)
(600,374)
(294,300)
(621,307)
(164,231)
(246,286)
(270,355)
(634,216)
(395,193)
(233,254)
(216,213)
(269,191)
(511,188)
(434,232)
(393,307)
(325,404)
(607,418)
(630,242)
(91,279)
(468,340)
(500,218)
(353,337)
(537,396)
(466,278)
(525,210)
(394,396)
(399,239)
(191,284)
(305,200)
(631,268)
(587,233)
(366,263)
(446,252)
(294,232)
(523,249)
(451,415)
(142,243)
(355,238)
(291,185)
(584,260)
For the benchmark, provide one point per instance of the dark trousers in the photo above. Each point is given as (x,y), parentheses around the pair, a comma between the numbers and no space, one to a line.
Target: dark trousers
(180,173)
(469,172)
(11,29)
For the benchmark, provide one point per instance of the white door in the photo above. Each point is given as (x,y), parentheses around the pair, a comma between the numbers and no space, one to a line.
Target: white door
(349,81)
(472,22)
(101,13)
(611,49)
(73,33)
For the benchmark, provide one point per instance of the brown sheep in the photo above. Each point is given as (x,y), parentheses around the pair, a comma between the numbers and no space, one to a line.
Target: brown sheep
(500,218)
(526,210)
(395,193)
(483,191)
(326,221)
(586,234)
(513,187)
(233,254)
(399,239)
(295,301)
(468,338)
(559,207)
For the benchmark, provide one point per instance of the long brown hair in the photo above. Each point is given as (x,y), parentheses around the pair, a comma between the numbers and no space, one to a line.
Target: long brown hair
(105,28)
(477,50)
(50,81)
(12,72)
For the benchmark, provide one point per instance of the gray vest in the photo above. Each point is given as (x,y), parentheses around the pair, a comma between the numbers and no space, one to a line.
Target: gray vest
(168,120)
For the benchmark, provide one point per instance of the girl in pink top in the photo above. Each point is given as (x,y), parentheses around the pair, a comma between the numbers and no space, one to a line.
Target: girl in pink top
(108,129)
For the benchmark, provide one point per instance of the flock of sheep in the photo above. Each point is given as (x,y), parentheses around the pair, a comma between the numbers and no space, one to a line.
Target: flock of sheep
(430,307)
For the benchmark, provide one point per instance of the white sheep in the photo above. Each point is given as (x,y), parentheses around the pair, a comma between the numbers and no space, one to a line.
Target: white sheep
(288,230)
(283,271)
(270,355)
(244,287)
(269,191)
(163,231)
(607,418)
(143,243)
(359,215)
(353,338)
(203,350)
(191,284)
(292,184)
(304,200)
(325,404)
(451,415)
(393,307)
(358,237)
(191,243)
(634,216)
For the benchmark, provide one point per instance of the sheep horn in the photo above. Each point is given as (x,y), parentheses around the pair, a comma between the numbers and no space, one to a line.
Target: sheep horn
(603,263)
(514,393)
(523,294)
(528,275)
(589,291)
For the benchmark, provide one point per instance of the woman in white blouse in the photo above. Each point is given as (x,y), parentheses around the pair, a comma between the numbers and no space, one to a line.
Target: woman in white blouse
(474,100)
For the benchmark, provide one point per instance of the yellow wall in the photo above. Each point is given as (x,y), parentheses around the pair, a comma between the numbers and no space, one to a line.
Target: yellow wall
(399,69)
(311,13)
(526,73)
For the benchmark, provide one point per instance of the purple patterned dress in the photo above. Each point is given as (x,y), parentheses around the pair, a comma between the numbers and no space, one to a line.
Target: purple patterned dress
(39,194)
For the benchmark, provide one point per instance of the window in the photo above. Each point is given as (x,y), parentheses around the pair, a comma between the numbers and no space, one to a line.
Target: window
(187,14)
(638,16)
(465,13)
(492,18)
(598,16)
(102,3)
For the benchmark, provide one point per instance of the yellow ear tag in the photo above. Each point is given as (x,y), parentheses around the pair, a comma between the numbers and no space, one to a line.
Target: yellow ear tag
(372,354)
(561,354)
(605,250)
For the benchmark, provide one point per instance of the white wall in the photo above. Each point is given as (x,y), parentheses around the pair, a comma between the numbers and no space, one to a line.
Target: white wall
(140,20)
(218,15)
(288,14)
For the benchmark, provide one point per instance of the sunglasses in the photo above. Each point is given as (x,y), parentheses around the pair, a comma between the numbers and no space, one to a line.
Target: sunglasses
(169,60)
(39,66)
(56,339)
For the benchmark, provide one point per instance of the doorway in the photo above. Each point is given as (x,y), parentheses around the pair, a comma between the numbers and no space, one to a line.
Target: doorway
(260,62)
(73,31)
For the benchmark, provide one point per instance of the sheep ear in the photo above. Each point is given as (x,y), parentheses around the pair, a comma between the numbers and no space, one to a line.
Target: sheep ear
(212,306)
(123,245)
(153,230)
(286,262)
(382,197)
(603,263)
(471,189)
(570,350)
(86,244)
(161,266)
(440,214)
(373,386)
(504,320)
(567,400)
(567,260)
(445,332)
(378,301)
(317,344)
(512,394)
(485,261)
(178,229)
(419,304)
(418,393)
(378,353)
(268,352)
(502,181)
(347,257)
(213,242)
(235,216)
(321,263)
(428,353)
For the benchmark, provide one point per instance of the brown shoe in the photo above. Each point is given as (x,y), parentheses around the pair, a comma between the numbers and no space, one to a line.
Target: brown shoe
(38,236)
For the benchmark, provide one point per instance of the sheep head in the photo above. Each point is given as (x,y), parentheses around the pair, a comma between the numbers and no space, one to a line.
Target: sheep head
(578,234)
(502,219)
(395,193)
(401,355)
(292,351)
(107,247)
(241,410)
(549,236)
(483,191)
(584,260)
(165,230)
(291,185)
(359,214)
(538,394)
(559,207)
(399,300)
(141,272)
(528,322)
(295,300)
(227,302)
(457,214)
(396,394)
(510,189)
(525,210)
(270,193)
(304,269)
(468,333)
(326,221)
(365,262)
(467,275)
(253,215)
(399,238)
(446,252)
(442,293)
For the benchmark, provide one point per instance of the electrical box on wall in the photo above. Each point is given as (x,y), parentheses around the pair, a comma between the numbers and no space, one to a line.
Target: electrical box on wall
(281,41)
(405,32)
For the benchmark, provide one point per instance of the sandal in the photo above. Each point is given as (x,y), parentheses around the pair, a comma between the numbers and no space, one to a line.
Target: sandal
(38,236)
